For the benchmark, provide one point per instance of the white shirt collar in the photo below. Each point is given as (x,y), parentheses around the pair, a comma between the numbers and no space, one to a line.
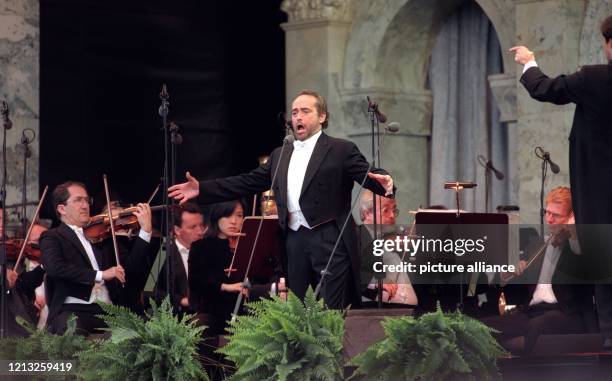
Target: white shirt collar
(76,228)
(308,143)
(182,249)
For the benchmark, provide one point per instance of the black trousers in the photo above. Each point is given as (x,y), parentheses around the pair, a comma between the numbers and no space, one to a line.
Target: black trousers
(308,251)
(533,321)
(87,320)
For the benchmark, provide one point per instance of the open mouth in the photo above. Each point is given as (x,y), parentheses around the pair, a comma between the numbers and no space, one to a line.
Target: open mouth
(300,128)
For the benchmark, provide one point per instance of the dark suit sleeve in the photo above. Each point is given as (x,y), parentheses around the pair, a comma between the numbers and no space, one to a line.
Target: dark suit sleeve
(137,263)
(201,278)
(28,281)
(57,266)
(560,90)
(356,166)
(235,187)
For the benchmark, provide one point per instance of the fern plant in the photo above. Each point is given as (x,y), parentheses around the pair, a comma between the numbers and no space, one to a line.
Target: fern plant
(43,346)
(436,346)
(162,348)
(278,340)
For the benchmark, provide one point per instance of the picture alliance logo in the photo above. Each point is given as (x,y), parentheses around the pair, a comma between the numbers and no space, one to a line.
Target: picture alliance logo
(413,246)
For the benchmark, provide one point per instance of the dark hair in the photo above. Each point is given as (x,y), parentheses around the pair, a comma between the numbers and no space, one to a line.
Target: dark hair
(218,211)
(177,212)
(61,194)
(606,28)
(320,104)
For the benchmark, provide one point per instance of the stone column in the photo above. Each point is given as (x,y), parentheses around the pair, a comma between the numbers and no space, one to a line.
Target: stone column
(315,39)
(19,86)
(503,88)
(552,30)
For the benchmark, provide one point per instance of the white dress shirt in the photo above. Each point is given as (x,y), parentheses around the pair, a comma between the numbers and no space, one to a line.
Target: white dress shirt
(543,292)
(99,291)
(529,64)
(302,151)
(184,252)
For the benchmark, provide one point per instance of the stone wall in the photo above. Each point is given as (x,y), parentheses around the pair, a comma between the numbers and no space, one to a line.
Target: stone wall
(348,49)
(19,86)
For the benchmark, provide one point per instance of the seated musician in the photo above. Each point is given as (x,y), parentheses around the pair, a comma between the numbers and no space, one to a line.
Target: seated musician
(211,289)
(189,227)
(25,299)
(554,306)
(80,273)
(397,287)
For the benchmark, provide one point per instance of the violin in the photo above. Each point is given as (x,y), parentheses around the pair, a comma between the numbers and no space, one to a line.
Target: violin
(31,251)
(98,229)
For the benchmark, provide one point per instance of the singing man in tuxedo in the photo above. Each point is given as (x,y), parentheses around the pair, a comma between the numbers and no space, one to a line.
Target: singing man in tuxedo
(313,195)
(590,162)
(80,273)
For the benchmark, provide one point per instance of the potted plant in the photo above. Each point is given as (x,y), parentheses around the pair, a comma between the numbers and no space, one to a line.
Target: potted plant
(286,340)
(436,346)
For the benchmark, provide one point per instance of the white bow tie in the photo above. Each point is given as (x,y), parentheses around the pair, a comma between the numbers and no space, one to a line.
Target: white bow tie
(298,145)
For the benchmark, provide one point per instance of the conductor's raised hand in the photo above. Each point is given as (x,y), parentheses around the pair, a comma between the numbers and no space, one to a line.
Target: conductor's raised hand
(185,191)
(385,180)
(522,55)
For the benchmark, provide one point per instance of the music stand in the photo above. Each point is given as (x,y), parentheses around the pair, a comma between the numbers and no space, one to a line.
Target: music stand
(457,186)
(444,221)
(267,255)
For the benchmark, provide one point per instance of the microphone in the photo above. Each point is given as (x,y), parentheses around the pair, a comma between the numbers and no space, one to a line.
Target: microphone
(544,155)
(488,164)
(286,124)
(373,107)
(6,122)
(164,96)
(392,127)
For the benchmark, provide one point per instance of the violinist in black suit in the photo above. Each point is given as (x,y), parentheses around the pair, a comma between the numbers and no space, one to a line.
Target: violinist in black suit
(313,195)
(80,273)
(590,152)
(553,305)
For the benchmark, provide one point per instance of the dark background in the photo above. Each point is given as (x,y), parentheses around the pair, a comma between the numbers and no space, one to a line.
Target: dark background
(102,66)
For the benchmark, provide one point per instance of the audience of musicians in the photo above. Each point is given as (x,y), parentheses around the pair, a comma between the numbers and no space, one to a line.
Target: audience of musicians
(79,274)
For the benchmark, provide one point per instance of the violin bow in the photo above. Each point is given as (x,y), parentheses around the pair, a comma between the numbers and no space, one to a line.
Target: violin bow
(110,218)
(27,237)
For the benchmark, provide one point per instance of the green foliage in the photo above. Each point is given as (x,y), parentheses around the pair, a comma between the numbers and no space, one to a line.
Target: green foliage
(436,346)
(290,340)
(162,348)
(43,346)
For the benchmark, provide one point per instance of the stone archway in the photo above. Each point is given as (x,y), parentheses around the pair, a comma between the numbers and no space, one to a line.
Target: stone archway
(387,57)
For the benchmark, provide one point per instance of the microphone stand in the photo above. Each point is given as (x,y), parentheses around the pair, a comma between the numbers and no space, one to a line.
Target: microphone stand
(3,260)
(543,177)
(168,176)
(482,161)
(289,138)
(325,271)
(375,126)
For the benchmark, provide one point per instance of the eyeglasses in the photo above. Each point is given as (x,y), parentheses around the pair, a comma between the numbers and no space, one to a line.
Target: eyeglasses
(80,199)
(395,211)
(554,215)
